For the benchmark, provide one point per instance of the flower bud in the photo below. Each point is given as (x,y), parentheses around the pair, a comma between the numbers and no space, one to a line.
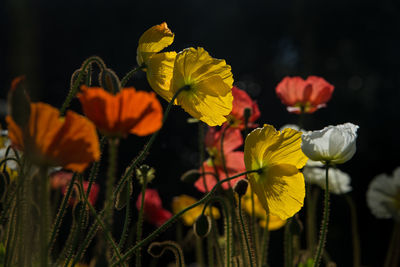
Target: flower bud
(241,187)
(109,81)
(202,226)
(19,103)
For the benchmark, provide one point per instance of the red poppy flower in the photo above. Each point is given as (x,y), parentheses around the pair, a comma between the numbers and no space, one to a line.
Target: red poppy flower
(61,180)
(241,101)
(129,111)
(304,96)
(51,140)
(234,160)
(153,211)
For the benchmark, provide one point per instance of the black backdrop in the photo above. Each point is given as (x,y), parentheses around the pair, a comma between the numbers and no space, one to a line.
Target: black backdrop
(352,44)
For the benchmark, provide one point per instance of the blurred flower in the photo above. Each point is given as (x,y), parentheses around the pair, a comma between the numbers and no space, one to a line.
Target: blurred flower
(11,165)
(48,139)
(383,196)
(333,144)
(274,221)
(304,96)
(279,185)
(61,180)
(291,126)
(158,66)
(153,211)
(129,111)
(339,182)
(181,202)
(233,159)
(242,101)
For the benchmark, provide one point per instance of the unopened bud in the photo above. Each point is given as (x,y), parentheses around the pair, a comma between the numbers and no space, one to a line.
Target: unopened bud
(241,187)
(109,81)
(202,226)
(190,176)
(19,103)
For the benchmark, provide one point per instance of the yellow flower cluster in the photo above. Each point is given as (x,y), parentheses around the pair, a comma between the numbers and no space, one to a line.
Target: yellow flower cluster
(207,81)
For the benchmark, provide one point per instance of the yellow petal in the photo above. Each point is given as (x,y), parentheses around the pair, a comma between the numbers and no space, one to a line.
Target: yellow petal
(152,41)
(159,73)
(274,223)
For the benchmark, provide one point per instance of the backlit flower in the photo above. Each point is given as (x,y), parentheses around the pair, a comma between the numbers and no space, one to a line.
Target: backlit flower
(304,96)
(129,111)
(181,202)
(339,181)
(5,142)
(383,196)
(333,144)
(274,221)
(233,159)
(70,141)
(153,211)
(279,185)
(208,85)
(158,66)
(242,101)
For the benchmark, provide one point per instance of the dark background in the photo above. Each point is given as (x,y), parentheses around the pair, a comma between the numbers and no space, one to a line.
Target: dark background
(355,45)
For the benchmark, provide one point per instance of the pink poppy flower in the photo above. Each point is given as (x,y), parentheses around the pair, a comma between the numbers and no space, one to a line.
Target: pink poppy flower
(153,211)
(234,160)
(61,180)
(304,96)
(241,101)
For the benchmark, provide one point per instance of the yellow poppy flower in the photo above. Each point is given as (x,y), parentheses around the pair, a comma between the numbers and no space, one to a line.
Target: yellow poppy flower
(189,217)
(274,221)
(280,185)
(208,82)
(158,66)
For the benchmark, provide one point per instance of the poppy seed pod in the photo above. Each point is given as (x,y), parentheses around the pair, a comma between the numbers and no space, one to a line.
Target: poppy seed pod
(202,226)
(241,187)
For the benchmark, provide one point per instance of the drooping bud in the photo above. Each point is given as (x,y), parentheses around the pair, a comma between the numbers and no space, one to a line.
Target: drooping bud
(241,187)
(19,103)
(109,81)
(145,174)
(190,176)
(124,195)
(202,226)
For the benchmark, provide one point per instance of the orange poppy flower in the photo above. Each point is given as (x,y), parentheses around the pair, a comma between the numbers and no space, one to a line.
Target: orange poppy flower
(129,111)
(304,96)
(48,139)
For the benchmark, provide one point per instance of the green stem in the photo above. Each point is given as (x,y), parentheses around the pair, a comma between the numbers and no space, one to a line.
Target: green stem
(111,173)
(147,147)
(140,222)
(246,238)
(99,221)
(354,229)
(393,254)
(222,150)
(74,84)
(311,200)
(60,214)
(324,224)
(265,244)
(288,243)
(127,217)
(129,75)
(201,152)
(44,216)
(176,216)
(95,167)
(199,251)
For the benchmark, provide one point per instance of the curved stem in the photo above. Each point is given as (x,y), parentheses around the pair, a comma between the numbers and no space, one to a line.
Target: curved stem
(95,167)
(74,85)
(176,216)
(324,224)
(129,75)
(246,238)
(127,217)
(147,147)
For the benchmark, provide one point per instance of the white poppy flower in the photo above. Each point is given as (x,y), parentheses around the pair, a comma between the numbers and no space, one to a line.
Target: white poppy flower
(4,144)
(290,126)
(339,182)
(333,144)
(383,196)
